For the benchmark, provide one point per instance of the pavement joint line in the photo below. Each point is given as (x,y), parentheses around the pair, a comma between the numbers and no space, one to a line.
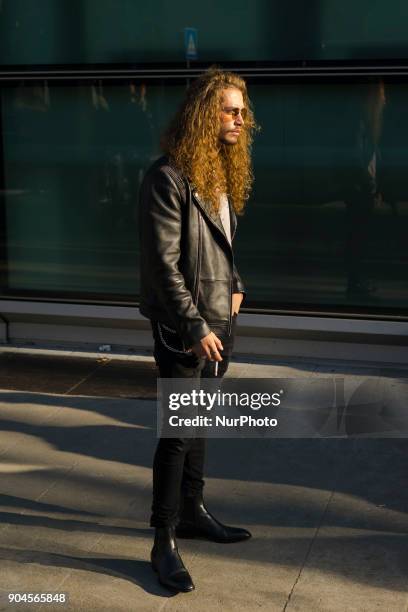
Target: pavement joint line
(166,601)
(24,512)
(98,539)
(53,414)
(54,409)
(68,574)
(64,471)
(65,474)
(309,549)
(98,367)
(324,514)
(89,551)
(45,491)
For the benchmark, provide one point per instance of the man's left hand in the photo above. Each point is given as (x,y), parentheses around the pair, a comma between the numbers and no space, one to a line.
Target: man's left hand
(236,302)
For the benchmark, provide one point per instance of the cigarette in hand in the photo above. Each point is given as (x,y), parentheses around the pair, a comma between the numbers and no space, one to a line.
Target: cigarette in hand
(216,368)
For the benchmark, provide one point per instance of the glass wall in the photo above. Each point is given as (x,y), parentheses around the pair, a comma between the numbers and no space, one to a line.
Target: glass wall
(328,220)
(325,228)
(130,31)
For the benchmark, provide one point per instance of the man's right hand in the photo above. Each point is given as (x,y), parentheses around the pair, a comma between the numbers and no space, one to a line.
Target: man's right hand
(208,347)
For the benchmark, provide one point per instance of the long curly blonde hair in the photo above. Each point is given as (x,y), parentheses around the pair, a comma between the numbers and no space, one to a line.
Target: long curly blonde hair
(191,141)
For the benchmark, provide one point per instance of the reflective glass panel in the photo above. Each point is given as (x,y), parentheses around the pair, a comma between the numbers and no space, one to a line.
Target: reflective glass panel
(325,228)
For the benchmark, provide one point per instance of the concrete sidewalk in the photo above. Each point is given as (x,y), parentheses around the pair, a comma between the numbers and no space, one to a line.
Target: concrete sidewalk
(328,516)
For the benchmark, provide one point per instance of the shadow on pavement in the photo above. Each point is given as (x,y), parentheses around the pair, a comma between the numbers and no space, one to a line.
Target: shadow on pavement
(138,572)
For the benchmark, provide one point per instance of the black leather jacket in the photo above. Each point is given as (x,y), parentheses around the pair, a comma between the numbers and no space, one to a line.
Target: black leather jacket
(187,270)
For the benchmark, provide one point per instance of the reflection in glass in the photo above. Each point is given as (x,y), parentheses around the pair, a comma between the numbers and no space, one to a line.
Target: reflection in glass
(361,186)
(327,220)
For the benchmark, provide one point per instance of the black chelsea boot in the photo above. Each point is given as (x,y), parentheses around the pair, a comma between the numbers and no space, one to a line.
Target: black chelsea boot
(196,522)
(167,562)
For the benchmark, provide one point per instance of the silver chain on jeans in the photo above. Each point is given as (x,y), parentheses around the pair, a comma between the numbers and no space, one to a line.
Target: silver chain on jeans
(173,331)
(170,348)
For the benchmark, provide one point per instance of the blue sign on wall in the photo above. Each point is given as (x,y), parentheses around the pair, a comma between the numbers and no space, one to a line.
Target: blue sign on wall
(191,43)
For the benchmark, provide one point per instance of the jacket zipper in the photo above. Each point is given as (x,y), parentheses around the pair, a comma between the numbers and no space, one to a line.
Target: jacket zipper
(230,302)
(198,270)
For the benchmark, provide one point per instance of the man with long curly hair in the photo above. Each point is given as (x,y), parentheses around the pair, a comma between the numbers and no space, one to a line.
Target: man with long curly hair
(191,290)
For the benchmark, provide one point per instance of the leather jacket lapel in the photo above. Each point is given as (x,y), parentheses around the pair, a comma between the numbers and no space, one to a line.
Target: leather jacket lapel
(209,214)
(233,219)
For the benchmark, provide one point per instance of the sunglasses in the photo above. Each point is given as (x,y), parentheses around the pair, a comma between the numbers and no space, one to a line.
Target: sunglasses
(235,111)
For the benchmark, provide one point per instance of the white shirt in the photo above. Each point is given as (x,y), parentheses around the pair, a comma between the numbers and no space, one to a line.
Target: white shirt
(224,213)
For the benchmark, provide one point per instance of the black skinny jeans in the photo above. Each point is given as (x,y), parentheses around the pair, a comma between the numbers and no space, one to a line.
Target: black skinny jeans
(178,464)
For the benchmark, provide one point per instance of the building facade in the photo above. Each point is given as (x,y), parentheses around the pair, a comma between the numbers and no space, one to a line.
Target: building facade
(87,87)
